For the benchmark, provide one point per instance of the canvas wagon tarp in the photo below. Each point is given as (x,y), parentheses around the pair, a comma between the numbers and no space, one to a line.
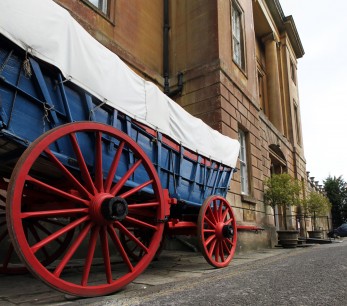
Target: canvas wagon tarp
(48,32)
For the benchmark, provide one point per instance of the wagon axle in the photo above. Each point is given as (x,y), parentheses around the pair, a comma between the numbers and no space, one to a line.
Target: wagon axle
(114,209)
(228,231)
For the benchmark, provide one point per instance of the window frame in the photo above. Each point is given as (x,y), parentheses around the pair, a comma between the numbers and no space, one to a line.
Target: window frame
(243,157)
(238,54)
(292,71)
(262,91)
(108,14)
(297,123)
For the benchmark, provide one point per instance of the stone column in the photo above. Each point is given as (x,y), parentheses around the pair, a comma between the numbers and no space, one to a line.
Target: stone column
(273,82)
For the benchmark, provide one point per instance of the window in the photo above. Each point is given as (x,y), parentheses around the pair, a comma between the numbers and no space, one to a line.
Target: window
(297,125)
(243,163)
(102,5)
(293,71)
(261,91)
(237,36)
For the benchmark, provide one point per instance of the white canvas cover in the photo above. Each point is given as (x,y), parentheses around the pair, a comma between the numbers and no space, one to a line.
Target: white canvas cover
(47,31)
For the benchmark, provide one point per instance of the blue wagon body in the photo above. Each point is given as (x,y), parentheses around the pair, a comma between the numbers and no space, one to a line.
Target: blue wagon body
(32,105)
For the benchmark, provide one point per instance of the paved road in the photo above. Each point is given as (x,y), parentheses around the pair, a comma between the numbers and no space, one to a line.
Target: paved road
(303,276)
(310,276)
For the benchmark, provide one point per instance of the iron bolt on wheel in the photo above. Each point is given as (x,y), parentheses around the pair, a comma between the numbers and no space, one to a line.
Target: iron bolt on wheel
(217,233)
(104,186)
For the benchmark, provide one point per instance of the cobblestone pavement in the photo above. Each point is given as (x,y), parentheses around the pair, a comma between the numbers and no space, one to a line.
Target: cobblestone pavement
(172,266)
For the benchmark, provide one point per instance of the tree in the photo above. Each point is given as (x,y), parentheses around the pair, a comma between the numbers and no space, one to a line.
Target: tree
(316,204)
(283,191)
(336,189)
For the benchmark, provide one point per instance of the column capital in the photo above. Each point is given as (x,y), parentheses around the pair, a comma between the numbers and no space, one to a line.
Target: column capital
(269,37)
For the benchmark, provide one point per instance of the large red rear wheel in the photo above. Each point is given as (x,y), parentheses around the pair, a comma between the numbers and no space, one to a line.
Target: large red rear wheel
(217,233)
(104,185)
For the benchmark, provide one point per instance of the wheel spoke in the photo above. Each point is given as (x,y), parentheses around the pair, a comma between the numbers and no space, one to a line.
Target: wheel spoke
(209,222)
(216,251)
(54,213)
(115,189)
(82,164)
(119,247)
(47,232)
(225,214)
(72,250)
(113,167)
(210,239)
(226,248)
(2,198)
(56,191)
(122,228)
(134,247)
(143,205)
(215,210)
(90,255)
(68,174)
(106,254)
(140,223)
(221,251)
(37,238)
(210,213)
(99,178)
(229,221)
(58,233)
(54,222)
(213,245)
(8,256)
(220,212)
(136,189)
(230,242)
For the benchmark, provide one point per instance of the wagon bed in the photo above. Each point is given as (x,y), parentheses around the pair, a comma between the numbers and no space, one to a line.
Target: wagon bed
(82,178)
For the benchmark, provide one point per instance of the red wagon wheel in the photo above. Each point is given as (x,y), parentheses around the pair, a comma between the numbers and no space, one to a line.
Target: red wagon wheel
(217,231)
(9,260)
(95,191)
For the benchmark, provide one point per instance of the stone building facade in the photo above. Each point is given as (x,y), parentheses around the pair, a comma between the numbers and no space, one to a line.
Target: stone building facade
(232,63)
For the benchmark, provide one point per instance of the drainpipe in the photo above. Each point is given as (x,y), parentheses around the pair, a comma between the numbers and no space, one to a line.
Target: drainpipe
(179,88)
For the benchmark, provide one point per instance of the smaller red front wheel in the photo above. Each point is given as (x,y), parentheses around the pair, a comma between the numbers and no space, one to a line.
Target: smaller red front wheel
(217,233)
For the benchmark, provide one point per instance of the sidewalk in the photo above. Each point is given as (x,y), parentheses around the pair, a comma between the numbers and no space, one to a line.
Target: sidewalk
(172,266)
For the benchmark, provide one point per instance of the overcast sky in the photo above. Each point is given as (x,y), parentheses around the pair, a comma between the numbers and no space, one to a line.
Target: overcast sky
(322,79)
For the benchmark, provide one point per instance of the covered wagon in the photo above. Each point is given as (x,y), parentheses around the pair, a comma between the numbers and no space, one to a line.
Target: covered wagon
(97,164)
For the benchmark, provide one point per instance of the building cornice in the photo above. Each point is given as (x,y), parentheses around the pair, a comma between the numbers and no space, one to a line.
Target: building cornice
(286,24)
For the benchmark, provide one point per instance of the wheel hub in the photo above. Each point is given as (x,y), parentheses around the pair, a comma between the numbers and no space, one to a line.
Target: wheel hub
(228,231)
(114,209)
